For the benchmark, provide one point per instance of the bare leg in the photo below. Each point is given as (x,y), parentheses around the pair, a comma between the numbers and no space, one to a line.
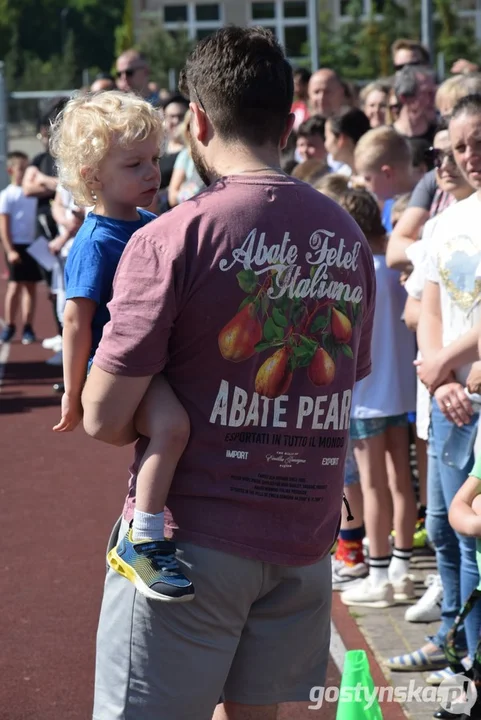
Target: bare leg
(12,299)
(235,711)
(28,302)
(399,474)
(370,458)
(162,418)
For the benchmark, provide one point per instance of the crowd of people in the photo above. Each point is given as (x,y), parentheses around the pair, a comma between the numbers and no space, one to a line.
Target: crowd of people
(402,157)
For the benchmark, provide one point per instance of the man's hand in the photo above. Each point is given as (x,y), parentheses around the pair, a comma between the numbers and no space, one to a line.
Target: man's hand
(463,66)
(454,403)
(13,257)
(432,371)
(71,414)
(473,382)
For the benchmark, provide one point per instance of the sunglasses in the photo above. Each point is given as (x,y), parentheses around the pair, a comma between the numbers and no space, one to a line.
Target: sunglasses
(128,73)
(436,157)
(415,63)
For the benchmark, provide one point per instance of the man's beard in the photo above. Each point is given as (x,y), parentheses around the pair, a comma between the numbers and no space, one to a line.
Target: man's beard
(206,173)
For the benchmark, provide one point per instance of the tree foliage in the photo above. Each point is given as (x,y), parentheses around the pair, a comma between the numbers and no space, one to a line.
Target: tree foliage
(165,52)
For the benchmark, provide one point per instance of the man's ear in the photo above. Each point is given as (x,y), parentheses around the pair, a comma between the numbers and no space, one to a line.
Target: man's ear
(287,131)
(198,122)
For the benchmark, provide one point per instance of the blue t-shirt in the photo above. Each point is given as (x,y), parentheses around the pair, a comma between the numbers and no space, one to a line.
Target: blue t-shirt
(92,262)
(386,215)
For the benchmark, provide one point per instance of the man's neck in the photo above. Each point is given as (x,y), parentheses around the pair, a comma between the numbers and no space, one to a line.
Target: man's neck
(235,160)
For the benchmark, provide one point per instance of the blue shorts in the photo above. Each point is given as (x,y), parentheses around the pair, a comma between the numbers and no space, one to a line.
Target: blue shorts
(362,429)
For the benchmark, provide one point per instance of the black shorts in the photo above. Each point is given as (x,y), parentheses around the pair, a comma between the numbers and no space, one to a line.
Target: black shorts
(27,270)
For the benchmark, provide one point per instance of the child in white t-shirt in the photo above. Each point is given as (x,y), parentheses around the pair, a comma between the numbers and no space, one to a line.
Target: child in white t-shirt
(379,427)
(17,232)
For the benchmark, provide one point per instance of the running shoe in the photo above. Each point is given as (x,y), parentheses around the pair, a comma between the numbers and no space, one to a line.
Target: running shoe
(7,333)
(28,336)
(428,607)
(152,567)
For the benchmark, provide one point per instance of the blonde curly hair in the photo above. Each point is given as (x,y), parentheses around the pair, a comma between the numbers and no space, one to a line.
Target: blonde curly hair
(89,126)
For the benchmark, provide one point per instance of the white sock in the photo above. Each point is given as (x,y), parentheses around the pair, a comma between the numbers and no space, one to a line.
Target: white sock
(147,526)
(378,570)
(399,564)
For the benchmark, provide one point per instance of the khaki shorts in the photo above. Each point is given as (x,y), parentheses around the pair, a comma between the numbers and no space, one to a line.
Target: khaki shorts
(256,634)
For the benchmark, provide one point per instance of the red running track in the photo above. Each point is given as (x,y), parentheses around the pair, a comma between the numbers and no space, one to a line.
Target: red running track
(59,496)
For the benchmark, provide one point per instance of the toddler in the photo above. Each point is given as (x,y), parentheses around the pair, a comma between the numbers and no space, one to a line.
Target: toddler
(107,150)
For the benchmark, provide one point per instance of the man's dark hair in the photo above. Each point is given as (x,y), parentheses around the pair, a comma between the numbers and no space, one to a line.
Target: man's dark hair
(351,122)
(175,98)
(104,76)
(16,155)
(414,46)
(471,105)
(420,152)
(48,118)
(303,74)
(316,125)
(242,80)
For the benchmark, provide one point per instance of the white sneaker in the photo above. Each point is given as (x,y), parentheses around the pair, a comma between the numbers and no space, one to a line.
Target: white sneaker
(428,607)
(368,595)
(404,588)
(53,343)
(344,575)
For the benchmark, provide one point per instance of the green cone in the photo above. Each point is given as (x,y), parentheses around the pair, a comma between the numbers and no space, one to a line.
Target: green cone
(357,690)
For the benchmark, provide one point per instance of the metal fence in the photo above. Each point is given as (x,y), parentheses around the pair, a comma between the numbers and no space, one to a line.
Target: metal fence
(19,115)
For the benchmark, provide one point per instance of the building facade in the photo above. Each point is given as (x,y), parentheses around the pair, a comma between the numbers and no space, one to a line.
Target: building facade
(293,21)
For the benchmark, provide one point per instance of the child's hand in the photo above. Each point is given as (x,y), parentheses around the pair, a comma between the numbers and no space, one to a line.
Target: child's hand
(56,245)
(71,414)
(463,512)
(13,257)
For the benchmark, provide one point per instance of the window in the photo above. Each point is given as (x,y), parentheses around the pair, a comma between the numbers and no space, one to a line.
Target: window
(207,12)
(295,41)
(263,10)
(197,19)
(205,32)
(295,9)
(175,13)
(292,22)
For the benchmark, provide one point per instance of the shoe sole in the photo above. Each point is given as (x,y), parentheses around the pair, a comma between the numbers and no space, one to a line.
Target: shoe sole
(377,604)
(402,597)
(28,342)
(119,566)
(348,582)
(417,668)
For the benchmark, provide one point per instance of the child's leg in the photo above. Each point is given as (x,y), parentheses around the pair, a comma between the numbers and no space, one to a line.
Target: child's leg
(162,418)
(12,299)
(142,555)
(370,454)
(403,497)
(28,302)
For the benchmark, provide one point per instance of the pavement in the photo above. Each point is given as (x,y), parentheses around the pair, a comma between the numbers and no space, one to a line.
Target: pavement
(59,496)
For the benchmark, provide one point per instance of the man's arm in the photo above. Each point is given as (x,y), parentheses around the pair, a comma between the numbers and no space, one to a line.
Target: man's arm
(110,403)
(37,184)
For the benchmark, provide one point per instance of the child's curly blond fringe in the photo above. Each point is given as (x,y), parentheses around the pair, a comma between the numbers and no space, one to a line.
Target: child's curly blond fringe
(89,126)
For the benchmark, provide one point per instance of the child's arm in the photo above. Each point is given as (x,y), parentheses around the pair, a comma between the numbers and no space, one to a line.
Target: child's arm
(6,238)
(461,515)
(77,344)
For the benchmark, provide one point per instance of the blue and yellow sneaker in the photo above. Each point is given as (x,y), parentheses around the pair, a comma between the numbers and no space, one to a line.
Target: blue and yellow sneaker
(152,567)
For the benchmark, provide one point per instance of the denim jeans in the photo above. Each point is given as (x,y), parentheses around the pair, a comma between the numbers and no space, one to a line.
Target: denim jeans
(455,554)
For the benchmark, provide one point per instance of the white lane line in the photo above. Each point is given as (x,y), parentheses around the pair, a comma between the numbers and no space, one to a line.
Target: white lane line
(337,649)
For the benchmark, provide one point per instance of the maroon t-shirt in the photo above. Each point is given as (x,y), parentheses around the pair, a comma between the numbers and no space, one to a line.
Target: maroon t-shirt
(256,300)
